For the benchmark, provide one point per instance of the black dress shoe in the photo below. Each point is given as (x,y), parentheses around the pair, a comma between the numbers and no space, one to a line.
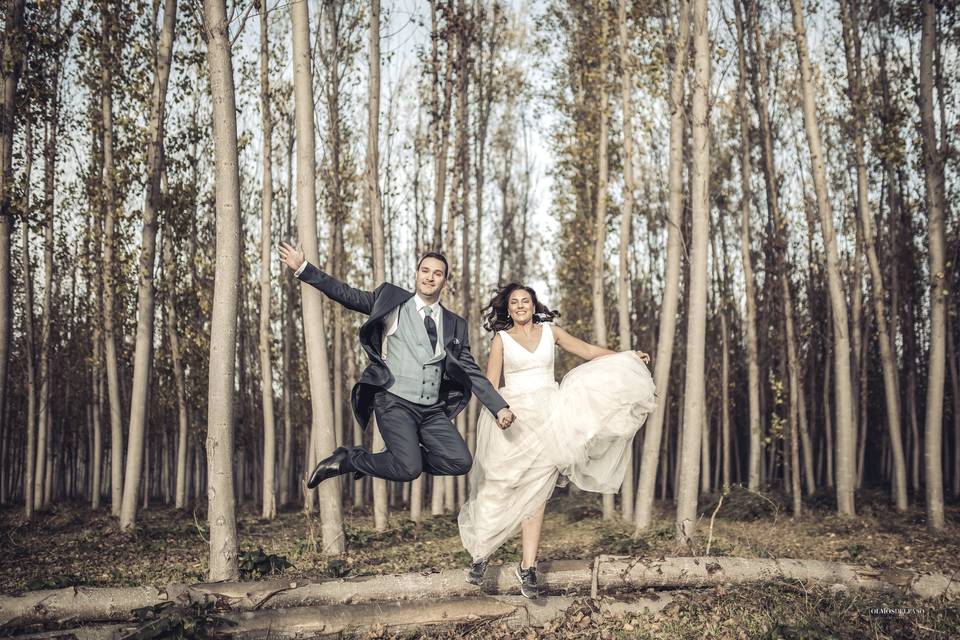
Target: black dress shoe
(328,467)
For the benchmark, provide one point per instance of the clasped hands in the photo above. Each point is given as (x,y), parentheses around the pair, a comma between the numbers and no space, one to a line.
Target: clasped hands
(505,418)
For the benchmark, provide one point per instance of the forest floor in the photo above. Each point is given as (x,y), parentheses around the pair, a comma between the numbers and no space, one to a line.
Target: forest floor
(70,546)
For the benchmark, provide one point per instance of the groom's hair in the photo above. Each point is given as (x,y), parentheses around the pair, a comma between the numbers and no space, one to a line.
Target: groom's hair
(436,256)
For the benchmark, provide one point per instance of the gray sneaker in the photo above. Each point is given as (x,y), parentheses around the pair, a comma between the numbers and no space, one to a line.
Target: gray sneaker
(528,581)
(477,569)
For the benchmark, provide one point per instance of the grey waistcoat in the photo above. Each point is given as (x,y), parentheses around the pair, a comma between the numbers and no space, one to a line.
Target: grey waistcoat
(416,368)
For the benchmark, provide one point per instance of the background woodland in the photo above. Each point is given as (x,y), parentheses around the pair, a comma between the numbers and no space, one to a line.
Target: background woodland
(759,194)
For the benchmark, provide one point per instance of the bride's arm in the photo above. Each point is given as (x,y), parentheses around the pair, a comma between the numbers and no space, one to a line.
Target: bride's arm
(578,347)
(495,361)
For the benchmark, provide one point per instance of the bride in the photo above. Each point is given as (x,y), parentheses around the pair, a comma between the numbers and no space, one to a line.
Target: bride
(579,431)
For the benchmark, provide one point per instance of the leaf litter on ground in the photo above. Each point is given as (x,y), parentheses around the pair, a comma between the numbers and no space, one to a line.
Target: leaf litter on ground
(70,546)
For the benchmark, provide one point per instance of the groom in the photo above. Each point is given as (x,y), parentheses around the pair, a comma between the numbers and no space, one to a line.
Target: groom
(420,376)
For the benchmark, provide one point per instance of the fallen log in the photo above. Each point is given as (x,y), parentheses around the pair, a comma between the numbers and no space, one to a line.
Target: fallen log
(513,611)
(333,620)
(637,573)
(566,577)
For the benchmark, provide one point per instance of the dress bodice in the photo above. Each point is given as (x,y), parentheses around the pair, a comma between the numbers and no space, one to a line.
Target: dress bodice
(525,369)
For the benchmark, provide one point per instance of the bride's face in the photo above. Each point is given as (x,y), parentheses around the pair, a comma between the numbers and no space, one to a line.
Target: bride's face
(520,306)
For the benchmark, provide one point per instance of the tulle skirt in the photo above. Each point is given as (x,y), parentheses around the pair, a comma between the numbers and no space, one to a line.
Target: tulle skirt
(578,431)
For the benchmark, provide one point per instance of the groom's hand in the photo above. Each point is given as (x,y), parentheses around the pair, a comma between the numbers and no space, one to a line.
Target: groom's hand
(505,418)
(290,256)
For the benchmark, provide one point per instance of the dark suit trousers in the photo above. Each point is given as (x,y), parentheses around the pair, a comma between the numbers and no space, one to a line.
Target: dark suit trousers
(418,438)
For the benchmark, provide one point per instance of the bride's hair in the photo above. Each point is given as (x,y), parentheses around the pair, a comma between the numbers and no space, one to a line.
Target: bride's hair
(496,316)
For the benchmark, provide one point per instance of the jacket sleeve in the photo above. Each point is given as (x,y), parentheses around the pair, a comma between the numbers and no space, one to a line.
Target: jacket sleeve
(349,297)
(482,388)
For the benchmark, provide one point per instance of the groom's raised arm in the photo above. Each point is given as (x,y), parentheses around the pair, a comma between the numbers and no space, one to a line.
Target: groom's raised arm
(351,298)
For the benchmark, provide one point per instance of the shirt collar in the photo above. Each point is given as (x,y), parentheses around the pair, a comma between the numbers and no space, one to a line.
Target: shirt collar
(421,303)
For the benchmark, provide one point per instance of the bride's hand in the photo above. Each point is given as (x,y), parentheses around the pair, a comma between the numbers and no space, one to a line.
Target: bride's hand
(643,356)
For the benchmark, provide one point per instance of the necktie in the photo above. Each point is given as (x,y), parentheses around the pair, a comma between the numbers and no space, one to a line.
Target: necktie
(431,326)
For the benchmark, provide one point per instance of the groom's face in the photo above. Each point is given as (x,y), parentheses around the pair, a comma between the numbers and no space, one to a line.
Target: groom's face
(431,276)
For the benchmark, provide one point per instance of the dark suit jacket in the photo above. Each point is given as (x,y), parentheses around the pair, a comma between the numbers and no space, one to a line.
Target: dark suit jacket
(461,375)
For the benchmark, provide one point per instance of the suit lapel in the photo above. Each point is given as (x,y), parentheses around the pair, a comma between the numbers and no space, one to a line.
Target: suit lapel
(394,297)
(391,298)
(449,324)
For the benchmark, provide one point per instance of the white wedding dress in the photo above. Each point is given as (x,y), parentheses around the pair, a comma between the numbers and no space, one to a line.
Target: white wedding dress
(578,431)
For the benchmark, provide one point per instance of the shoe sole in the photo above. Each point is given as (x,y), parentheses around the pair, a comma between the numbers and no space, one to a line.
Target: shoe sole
(536,594)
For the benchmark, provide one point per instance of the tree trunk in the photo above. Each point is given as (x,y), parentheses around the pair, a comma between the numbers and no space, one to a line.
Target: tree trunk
(720,260)
(694,393)
(440,130)
(380,510)
(484,71)
(705,447)
(467,240)
(13,54)
(6,455)
(796,390)
(454,209)
(845,434)
(147,467)
(43,482)
(933,165)
(626,230)
(857,345)
(269,496)
(358,496)
(373,145)
(449,488)
(323,440)
(771,182)
(287,305)
(179,377)
(753,367)
(955,392)
(436,495)
(96,320)
(828,421)
(97,426)
(143,356)
(671,294)
(223,335)
(109,232)
(416,498)
(29,340)
(166,462)
(600,212)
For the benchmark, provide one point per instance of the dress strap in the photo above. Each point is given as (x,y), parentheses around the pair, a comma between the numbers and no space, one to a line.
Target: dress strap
(546,326)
